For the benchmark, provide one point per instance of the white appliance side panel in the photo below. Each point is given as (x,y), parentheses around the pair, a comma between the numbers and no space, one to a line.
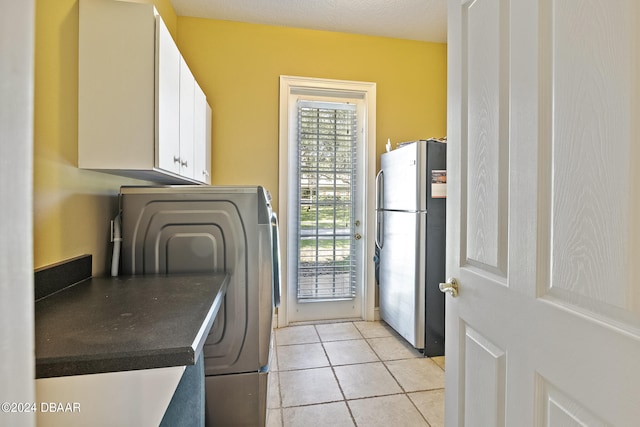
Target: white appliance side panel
(182,233)
(200,229)
(402,276)
(237,399)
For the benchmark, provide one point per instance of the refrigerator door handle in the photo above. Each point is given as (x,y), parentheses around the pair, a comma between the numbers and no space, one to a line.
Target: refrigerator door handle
(379,214)
(379,183)
(380,229)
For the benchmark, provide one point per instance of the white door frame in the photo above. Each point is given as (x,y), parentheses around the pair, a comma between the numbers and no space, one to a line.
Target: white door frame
(367,90)
(17,25)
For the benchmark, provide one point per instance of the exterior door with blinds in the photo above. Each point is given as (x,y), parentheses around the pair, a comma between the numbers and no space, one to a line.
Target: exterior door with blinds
(328,209)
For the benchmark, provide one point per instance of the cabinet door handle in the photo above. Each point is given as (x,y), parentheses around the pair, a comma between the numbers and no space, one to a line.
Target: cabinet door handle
(176,159)
(184,164)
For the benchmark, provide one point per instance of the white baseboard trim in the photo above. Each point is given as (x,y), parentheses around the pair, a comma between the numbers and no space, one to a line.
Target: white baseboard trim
(376,317)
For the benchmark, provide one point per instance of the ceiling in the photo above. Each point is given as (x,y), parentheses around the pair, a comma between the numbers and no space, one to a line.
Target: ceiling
(423,20)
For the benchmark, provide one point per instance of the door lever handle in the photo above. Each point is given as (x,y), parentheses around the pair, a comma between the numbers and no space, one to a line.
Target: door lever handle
(450,287)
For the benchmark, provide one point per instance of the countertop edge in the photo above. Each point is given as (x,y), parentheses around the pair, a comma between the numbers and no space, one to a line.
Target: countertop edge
(201,336)
(63,367)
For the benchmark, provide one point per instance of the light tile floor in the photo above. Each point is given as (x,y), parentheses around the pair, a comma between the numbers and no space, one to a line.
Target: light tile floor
(352,374)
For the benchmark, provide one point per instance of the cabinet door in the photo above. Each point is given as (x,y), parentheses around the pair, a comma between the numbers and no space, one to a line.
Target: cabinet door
(208,144)
(202,136)
(187,83)
(167,100)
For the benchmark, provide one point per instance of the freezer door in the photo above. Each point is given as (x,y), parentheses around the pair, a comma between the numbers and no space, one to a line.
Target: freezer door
(402,299)
(403,178)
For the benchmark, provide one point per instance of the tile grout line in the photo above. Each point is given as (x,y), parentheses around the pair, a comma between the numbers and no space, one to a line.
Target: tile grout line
(333,366)
(275,351)
(335,376)
(405,392)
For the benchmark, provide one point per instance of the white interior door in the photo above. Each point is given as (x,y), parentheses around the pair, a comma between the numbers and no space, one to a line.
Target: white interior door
(543,234)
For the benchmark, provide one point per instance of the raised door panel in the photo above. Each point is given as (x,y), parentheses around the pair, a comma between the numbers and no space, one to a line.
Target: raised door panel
(485,380)
(167,100)
(593,198)
(556,408)
(485,142)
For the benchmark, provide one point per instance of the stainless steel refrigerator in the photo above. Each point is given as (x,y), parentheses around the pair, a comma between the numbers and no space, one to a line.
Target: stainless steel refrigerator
(410,236)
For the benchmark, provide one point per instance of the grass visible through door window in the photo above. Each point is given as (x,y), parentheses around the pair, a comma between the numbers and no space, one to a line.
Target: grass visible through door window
(326,184)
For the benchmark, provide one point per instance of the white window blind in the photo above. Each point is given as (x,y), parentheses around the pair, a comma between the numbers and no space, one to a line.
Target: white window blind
(327,148)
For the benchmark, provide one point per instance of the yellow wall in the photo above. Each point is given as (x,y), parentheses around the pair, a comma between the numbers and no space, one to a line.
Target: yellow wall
(238,65)
(72,207)
(165,9)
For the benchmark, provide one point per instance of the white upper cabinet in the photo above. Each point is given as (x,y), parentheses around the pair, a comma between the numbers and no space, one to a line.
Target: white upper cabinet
(202,132)
(136,97)
(187,142)
(168,96)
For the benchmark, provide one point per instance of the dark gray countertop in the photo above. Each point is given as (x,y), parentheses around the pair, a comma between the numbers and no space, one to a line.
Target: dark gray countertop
(127,323)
